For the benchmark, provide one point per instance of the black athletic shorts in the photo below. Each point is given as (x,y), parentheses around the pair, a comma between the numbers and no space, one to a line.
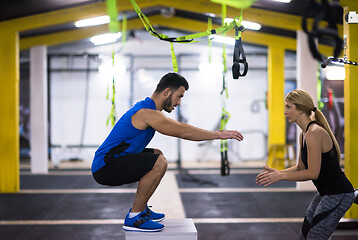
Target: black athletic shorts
(126,169)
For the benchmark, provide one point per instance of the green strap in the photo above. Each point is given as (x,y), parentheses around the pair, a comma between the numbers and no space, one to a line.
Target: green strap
(223,13)
(183,39)
(221,30)
(319,90)
(224,58)
(107,96)
(224,114)
(146,21)
(210,25)
(151,30)
(223,17)
(112,115)
(238,33)
(223,145)
(113,16)
(114,28)
(223,122)
(224,118)
(236,3)
(174,59)
(124,29)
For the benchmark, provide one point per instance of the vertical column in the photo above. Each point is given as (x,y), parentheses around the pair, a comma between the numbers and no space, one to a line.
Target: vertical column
(351,108)
(306,66)
(276,118)
(307,80)
(9,110)
(38,109)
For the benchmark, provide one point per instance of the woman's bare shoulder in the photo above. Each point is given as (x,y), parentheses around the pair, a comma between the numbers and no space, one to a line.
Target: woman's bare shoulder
(316,131)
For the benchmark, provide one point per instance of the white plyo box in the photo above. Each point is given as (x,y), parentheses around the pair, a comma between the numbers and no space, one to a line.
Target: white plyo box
(174,229)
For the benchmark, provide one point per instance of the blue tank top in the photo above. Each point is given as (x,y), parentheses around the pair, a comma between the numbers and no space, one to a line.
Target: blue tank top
(124,138)
(331,180)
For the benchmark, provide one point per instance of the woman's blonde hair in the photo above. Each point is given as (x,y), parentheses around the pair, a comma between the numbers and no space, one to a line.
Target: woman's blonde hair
(304,102)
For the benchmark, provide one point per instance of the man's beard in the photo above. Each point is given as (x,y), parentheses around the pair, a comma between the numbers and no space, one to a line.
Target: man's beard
(168,104)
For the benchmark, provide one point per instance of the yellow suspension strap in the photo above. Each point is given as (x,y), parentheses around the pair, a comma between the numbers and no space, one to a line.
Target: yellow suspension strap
(151,30)
(124,29)
(113,16)
(225,167)
(210,23)
(236,3)
(113,28)
(113,113)
(183,39)
(319,90)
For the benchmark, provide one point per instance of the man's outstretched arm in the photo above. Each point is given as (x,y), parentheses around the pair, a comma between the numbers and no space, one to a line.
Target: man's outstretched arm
(168,126)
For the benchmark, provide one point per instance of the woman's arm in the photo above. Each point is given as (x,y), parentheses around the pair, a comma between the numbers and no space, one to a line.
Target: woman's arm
(313,142)
(295,168)
(314,154)
(299,165)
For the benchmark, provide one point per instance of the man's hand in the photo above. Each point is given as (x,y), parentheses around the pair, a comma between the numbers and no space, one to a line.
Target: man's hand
(230,134)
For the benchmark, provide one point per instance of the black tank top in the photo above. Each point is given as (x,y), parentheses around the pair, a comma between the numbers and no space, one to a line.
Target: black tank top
(331,179)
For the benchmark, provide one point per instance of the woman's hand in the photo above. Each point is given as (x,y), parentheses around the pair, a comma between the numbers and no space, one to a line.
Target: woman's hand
(267,178)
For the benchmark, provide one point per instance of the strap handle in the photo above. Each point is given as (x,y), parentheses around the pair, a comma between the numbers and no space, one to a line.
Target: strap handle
(239,57)
(329,9)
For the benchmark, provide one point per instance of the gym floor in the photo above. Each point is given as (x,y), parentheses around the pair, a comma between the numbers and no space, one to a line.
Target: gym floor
(68,204)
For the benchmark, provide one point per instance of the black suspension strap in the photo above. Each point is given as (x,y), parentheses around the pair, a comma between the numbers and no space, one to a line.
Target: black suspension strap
(325,9)
(239,56)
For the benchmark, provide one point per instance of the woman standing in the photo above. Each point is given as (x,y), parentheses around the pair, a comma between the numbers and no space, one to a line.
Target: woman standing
(318,161)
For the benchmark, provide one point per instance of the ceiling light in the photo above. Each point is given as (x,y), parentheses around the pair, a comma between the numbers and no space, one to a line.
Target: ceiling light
(105,38)
(246,24)
(221,39)
(210,14)
(283,1)
(106,68)
(251,25)
(335,73)
(92,21)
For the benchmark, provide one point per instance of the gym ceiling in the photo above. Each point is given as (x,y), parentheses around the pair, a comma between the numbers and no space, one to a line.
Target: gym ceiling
(51,22)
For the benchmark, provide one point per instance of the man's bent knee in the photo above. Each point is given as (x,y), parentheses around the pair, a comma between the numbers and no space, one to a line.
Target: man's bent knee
(161,164)
(157,151)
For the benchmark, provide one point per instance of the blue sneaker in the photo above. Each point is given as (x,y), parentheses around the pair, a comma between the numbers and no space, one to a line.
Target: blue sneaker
(141,223)
(156,217)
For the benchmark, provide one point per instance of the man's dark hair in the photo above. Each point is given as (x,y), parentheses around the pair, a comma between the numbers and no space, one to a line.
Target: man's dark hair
(172,81)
